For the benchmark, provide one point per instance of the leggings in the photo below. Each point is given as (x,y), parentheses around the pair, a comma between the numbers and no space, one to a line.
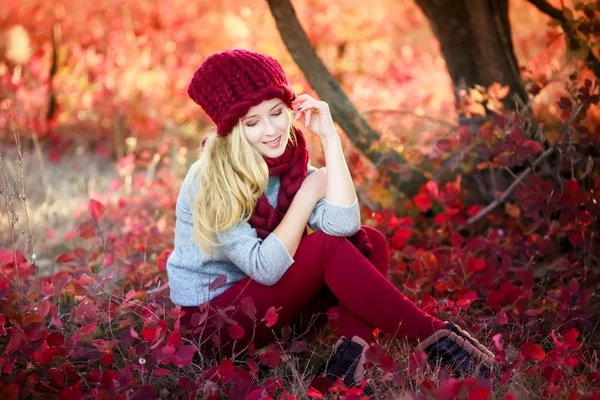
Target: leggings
(327,271)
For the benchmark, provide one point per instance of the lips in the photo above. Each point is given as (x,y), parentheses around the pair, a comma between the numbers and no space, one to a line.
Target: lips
(274,143)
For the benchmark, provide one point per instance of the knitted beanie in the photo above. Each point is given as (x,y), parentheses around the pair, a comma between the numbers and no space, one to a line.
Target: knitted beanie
(229,82)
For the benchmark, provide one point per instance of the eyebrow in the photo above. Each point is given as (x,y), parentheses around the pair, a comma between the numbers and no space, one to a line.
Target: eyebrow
(276,105)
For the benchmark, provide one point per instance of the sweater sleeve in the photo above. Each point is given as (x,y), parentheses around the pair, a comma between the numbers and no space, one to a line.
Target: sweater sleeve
(264,260)
(332,219)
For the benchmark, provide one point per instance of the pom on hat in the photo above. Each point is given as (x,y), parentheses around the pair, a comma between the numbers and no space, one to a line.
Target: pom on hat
(229,82)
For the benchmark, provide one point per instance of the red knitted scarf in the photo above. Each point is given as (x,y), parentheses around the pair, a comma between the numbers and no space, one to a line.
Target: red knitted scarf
(291,167)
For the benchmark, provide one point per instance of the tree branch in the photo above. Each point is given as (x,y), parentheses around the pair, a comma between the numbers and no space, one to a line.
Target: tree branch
(342,110)
(490,207)
(557,14)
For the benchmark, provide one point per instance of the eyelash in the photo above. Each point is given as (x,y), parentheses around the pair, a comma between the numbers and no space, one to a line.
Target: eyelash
(274,115)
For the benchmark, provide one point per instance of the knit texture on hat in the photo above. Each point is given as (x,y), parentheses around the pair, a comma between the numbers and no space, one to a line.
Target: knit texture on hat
(229,82)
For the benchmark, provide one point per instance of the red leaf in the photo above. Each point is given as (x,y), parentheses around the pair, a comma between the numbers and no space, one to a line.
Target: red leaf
(374,354)
(271,317)
(226,371)
(314,393)
(44,308)
(168,349)
(87,329)
(218,283)
(174,339)
(72,392)
(236,332)
(252,366)
(571,336)
(198,318)
(55,339)
(464,304)
(423,202)
(534,312)
(532,352)
(184,355)
(149,334)
(480,393)
(457,240)
(573,287)
(108,260)
(48,288)
(298,346)
(271,358)
(96,209)
(36,331)
(430,189)
(532,145)
(107,359)
(503,318)
(66,257)
(133,333)
(251,349)
(257,394)
(400,237)
(271,385)
(388,364)
(475,264)
(248,307)
(444,145)
(162,372)
(57,376)
(416,361)
(572,361)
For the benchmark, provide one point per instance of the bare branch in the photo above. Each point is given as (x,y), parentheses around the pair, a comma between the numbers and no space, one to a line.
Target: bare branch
(490,207)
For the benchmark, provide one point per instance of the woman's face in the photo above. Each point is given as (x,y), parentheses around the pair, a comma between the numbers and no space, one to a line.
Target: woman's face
(266,127)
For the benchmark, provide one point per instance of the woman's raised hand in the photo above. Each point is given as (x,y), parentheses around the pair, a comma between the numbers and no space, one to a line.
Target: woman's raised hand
(317,117)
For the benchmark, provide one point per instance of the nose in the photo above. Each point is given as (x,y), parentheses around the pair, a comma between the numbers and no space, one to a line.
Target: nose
(270,129)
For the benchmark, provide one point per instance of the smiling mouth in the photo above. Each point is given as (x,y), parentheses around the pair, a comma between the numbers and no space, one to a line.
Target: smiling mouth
(273,143)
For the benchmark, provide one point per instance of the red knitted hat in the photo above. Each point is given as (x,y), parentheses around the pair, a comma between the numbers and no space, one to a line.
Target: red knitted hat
(229,82)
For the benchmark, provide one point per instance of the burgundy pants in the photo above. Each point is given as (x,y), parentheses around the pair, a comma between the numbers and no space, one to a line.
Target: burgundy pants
(327,271)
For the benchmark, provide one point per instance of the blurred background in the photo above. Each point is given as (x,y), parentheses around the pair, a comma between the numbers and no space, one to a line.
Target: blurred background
(95,89)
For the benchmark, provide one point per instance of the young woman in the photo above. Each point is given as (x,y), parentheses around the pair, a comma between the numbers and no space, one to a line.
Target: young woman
(240,237)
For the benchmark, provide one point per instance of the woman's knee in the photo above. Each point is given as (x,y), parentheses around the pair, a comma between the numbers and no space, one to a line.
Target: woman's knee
(326,242)
(376,237)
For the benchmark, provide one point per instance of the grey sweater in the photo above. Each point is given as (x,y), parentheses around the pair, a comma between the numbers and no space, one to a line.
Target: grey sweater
(190,270)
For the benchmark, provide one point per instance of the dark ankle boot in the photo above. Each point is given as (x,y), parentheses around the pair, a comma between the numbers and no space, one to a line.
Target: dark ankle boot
(456,348)
(348,361)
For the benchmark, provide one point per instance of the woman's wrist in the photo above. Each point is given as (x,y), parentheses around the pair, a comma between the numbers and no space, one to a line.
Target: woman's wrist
(330,140)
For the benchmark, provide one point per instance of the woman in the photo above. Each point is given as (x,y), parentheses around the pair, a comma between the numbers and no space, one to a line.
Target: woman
(240,238)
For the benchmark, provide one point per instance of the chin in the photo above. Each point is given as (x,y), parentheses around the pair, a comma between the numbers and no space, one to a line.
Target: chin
(274,153)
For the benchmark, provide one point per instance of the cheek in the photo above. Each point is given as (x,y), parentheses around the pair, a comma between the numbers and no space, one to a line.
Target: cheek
(282,122)
(252,134)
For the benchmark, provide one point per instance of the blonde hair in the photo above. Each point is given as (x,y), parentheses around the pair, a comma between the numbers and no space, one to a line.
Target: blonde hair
(232,175)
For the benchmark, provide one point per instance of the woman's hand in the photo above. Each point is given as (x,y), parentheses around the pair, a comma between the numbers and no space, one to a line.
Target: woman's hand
(315,184)
(317,117)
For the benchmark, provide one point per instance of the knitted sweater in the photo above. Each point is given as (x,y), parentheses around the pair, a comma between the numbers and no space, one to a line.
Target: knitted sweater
(190,270)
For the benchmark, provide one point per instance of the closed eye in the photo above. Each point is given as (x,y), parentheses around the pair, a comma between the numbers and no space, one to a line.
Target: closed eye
(274,115)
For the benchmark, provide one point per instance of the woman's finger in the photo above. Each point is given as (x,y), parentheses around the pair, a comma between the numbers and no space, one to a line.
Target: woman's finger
(307,114)
(316,105)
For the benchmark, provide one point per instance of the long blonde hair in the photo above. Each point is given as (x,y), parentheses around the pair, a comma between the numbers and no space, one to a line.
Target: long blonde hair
(232,175)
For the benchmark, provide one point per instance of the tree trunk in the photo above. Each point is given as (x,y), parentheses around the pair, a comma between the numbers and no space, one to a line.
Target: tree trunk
(342,110)
(476,43)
